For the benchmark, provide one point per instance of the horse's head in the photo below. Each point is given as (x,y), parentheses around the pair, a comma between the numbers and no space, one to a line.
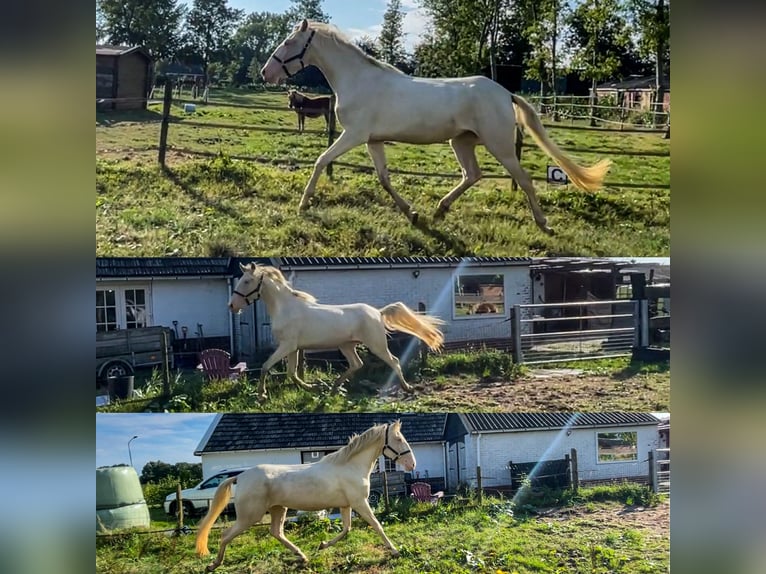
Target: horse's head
(287,59)
(397,448)
(248,288)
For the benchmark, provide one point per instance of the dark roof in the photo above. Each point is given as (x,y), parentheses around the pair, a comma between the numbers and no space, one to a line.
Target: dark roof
(576,263)
(487,422)
(340,262)
(163,266)
(108,50)
(644,82)
(257,431)
(176,68)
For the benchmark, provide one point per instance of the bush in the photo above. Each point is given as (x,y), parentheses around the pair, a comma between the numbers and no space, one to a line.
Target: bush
(485,363)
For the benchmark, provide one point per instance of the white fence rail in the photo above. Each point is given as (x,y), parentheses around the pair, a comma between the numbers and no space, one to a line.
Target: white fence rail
(556,332)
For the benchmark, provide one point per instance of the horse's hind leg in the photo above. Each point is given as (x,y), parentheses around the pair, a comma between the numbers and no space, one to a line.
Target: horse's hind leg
(278,514)
(377,152)
(354,362)
(378,346)
(292,369)
(505,153)
(464,147)
(283,350)
(345,514)
(227,536)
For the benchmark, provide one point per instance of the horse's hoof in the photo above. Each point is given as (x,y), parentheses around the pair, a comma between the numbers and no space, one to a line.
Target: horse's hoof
(395,553)
(414,216)
(548,230)
(440,213)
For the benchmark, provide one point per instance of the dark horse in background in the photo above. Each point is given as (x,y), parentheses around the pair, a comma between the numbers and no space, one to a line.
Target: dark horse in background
(311,106)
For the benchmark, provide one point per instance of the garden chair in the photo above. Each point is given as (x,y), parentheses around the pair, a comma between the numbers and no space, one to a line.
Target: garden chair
(421,491)
(216,364)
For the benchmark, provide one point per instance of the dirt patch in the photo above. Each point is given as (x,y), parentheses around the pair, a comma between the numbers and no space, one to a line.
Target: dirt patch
(582,392)
(655,519)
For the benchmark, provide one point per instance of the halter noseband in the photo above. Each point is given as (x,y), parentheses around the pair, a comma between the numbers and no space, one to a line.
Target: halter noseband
(397,454)
(298,56)
(256,291)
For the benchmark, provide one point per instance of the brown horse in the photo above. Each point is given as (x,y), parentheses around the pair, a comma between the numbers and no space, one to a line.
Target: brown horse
(311,106)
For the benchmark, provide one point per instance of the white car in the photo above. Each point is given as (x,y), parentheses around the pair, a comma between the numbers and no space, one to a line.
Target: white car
(196,500)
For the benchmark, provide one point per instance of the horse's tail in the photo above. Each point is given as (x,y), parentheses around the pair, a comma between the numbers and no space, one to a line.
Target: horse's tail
(398,317)
(219,502)
(587,178)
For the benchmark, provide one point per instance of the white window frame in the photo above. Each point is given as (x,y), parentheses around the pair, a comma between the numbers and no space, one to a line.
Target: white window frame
(473,317)
(621,461)
(121,293)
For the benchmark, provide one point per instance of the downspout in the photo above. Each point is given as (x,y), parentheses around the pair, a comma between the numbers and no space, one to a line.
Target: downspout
(478,455)
(229,282)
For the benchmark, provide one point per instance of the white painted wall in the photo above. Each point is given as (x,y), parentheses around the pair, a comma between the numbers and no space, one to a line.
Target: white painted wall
(192,301)
(428,456)
(186,300)
(433,287)
(529,446)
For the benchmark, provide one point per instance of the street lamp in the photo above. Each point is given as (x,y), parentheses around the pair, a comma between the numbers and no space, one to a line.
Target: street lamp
(129,453)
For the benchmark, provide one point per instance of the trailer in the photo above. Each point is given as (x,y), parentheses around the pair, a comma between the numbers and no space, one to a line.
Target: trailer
(120,352)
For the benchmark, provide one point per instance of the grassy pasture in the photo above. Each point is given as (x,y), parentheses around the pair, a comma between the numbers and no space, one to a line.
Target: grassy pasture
(476,382)
(618,530)
(223,203)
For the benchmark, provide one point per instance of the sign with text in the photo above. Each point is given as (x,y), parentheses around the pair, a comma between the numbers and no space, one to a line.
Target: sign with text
(557,175)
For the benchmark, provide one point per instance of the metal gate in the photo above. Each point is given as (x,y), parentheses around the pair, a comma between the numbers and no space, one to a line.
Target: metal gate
(659,470)
(556,332)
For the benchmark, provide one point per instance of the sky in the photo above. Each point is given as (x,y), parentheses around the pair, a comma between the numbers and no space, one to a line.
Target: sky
(167,437)
(354,17)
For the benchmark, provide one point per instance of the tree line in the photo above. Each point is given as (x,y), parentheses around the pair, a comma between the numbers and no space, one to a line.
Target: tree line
(598,40)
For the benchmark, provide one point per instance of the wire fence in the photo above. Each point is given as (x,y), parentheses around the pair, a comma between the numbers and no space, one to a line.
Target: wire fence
(167,119)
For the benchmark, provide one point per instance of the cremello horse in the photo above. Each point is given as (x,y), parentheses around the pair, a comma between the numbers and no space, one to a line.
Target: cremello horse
(298,322)
(341,479)
(376,102)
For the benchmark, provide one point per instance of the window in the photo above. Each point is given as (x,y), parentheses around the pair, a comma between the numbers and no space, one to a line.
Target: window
(390,465)
(120,308)
(479,295)
(617,446)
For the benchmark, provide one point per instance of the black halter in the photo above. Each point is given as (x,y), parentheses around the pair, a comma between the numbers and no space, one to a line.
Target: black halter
(257,292)
(298,56)
(397,454)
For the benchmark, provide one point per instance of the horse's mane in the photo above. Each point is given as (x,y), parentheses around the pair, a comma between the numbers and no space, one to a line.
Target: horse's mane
(331,32)
(276,275)
(356,443)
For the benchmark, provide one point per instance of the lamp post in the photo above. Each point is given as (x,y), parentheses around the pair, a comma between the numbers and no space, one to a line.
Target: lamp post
(130,455)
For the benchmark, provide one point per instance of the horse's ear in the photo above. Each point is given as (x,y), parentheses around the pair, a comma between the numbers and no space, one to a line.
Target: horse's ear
(304,25)
(243,268)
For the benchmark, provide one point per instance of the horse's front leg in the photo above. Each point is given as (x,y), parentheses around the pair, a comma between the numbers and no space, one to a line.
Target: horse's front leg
(283,350)
(365,512)
(378,154)
(278,514)
(345,514)
(293,359)
(345,142)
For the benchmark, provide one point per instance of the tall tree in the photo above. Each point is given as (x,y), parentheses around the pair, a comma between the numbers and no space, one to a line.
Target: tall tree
(309,9)
(209,24)
(391,37)
(153,24)
(652,19)
(599,37)
(253,42)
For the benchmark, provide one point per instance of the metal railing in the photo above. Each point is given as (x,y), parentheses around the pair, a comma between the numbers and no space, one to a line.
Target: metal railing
(556,332)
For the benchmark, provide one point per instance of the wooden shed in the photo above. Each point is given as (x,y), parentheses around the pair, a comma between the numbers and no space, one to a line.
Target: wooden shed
(122,72)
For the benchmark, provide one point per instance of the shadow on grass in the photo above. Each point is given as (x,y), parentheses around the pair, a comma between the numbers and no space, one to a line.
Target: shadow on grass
(112,118)
(451,243)
(194,194)
(636,367)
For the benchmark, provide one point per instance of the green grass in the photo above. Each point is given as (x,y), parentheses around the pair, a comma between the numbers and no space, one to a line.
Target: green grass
(479,381)
(459,536)
(224,205)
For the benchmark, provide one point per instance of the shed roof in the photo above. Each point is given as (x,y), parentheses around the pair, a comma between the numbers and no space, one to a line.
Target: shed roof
(258,431)
(110,50)
(638,83)
(124,267)
(509,422)
(355,262)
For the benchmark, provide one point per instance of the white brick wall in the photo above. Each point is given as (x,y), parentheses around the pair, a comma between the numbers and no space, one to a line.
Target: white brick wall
(434,287)
(530,446)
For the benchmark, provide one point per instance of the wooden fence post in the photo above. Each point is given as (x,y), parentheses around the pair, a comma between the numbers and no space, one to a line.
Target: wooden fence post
(575,472)
(331,132)
(652,472)
(518,143)
(165,366)
(516,326)
(478,484)
(166,101)
(180,508)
